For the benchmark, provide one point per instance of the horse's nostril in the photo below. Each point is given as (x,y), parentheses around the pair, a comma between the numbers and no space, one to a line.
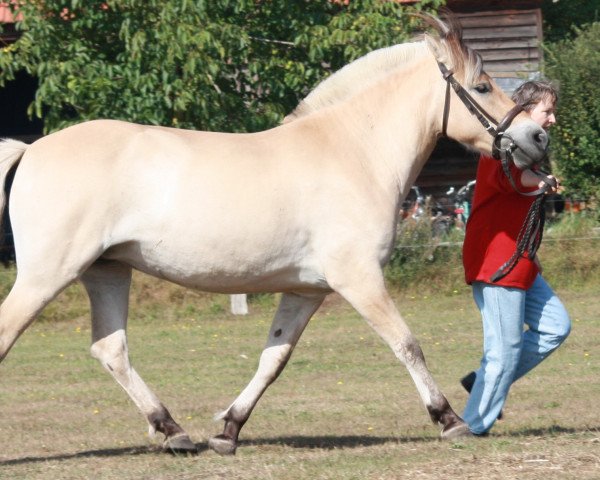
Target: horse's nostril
(541,138)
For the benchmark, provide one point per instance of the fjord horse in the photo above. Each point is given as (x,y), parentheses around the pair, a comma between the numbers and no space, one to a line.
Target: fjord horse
(306,209)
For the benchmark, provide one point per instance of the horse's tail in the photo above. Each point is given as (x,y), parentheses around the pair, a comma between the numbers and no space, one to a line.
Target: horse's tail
(11,152)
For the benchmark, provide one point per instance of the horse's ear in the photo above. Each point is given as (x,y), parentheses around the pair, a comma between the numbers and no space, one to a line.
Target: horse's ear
(448,27)
(438,50)
(435,39)
(447,44)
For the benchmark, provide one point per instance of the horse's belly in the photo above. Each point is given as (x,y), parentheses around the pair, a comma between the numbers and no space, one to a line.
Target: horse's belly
(224,270)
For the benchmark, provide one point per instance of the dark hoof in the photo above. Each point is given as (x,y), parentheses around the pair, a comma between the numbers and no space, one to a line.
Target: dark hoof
(222,445)
(179,444)
(456,431)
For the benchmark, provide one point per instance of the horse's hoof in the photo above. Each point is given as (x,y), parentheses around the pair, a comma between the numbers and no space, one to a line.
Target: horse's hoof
(179,444)
(222,445)
(456,431)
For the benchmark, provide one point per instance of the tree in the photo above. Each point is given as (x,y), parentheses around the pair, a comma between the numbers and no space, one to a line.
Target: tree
(230,65)
(575,64)
(560,16)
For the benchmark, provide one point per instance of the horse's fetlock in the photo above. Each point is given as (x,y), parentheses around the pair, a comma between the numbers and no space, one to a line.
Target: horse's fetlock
(441,412)
(162,421)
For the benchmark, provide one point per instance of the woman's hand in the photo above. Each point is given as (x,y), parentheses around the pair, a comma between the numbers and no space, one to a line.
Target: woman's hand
(529,178)
(551,181)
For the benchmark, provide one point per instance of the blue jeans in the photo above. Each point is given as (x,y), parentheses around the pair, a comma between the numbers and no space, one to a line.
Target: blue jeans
(509,352)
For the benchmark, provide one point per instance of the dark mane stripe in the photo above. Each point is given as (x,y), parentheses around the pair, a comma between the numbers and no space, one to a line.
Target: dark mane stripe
(462,59)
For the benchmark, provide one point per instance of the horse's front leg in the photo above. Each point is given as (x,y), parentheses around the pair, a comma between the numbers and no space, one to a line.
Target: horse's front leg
(108,285)
(364,288)
(291,318)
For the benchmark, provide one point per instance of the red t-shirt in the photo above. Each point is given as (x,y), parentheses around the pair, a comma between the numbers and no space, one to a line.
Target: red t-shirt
(497,215)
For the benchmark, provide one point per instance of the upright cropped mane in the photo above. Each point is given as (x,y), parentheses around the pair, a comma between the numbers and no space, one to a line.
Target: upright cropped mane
(356,76)
(446,44)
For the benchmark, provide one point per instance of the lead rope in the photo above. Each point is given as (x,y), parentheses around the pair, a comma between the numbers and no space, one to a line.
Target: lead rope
(529,238)
(530,235)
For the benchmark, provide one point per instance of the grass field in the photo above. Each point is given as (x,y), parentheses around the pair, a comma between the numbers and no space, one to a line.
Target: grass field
(344,408)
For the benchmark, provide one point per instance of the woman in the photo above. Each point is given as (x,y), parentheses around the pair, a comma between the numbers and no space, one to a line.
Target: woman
(520,298)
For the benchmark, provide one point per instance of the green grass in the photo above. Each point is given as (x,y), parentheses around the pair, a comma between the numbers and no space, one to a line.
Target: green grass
(343,408)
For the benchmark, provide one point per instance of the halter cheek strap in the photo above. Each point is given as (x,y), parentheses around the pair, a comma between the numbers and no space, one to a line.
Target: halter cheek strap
(492,126)
(508,118)
(474,108)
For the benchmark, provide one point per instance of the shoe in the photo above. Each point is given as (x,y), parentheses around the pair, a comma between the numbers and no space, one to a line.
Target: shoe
(467,382)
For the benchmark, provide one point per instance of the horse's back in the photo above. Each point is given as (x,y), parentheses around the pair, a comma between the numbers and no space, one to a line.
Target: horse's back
(171,202)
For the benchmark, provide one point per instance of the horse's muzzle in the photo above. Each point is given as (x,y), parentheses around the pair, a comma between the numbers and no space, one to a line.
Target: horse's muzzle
(526,143)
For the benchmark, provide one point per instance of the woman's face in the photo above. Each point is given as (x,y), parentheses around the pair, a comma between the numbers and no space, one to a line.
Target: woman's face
(543,113)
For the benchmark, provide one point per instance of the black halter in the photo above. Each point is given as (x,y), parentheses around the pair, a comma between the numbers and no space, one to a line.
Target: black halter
(530,235)
(493,127)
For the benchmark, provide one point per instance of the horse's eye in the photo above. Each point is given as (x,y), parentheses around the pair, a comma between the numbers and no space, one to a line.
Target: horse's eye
(483,88)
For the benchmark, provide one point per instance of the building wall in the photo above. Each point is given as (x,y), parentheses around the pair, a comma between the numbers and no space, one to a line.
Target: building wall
(508,41)
(15,98)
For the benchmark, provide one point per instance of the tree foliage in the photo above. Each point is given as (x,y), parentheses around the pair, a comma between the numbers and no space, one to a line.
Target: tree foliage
(560,16)
(230,65)
(575,64)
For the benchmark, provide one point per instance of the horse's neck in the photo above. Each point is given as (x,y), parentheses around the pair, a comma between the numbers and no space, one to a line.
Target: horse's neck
(394,125)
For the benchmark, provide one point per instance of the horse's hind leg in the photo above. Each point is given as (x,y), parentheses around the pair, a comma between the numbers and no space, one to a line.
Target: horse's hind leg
(27,298)
(107,284)
(291,318)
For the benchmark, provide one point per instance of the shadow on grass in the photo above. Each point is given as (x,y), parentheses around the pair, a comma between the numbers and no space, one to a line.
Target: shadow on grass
(550,431)
(109,452)
(301,442)
(332,442)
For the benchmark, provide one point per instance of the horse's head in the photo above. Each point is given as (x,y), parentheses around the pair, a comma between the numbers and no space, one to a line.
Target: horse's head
(476,111)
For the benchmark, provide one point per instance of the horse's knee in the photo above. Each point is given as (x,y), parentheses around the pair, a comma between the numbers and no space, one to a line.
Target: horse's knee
(111,352)
(409,351)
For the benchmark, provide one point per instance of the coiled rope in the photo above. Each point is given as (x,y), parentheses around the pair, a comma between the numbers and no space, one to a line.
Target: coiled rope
(529,238)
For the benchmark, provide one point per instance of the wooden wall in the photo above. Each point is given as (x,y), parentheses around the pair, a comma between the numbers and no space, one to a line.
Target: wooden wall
(509,42)
(450,165)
